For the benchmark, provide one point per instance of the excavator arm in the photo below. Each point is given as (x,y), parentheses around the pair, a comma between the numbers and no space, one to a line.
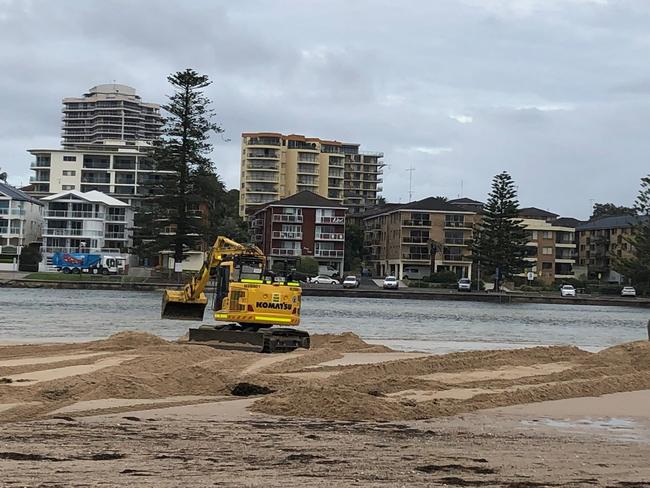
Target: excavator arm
(190,302)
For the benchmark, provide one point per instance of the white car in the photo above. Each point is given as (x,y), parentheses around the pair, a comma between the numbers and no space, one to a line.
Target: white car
(628,291)
(324,280)
(568,291)
(351,282)
(390,282)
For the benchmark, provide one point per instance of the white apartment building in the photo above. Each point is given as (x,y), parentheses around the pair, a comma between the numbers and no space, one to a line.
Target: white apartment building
(106,137)
(114,168)
(21,221)
(86,222)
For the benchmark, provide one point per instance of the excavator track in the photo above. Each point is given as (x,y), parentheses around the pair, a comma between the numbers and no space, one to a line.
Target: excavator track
(236,337)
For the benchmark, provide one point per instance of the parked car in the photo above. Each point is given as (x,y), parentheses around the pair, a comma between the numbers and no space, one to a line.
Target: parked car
(351,282)
(390,282)
(324,280)
(568,291)
(628,291)
(464,284)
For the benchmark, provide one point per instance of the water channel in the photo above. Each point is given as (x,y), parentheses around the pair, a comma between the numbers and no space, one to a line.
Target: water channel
(50,315)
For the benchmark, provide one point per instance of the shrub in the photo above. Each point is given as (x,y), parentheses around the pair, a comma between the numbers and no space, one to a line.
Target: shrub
(442,277)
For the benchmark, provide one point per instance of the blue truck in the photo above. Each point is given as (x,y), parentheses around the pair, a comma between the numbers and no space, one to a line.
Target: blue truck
(77,262)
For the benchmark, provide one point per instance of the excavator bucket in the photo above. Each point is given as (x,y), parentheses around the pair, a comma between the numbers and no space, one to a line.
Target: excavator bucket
(176,306)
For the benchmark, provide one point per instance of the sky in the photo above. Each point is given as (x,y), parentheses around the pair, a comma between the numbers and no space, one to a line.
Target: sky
(556,92)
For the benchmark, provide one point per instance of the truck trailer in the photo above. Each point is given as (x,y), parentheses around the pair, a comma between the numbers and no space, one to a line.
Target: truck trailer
(88,263)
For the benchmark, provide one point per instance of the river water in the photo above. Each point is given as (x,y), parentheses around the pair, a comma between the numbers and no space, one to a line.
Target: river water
(39,315)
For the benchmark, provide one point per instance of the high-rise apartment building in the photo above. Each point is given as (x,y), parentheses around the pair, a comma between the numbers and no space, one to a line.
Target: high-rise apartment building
(275,166)
(106,136)
(109,112)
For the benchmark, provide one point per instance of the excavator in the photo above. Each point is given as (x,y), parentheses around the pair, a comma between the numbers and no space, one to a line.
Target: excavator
(249,301)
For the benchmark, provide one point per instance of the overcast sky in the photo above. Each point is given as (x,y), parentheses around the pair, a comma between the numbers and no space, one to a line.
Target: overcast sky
(557,92)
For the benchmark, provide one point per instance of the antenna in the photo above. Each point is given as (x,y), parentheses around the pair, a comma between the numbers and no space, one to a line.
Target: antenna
(462,192)
(410,170)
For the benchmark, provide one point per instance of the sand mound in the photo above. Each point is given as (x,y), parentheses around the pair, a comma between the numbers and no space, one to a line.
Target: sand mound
(128,340)
(346,342)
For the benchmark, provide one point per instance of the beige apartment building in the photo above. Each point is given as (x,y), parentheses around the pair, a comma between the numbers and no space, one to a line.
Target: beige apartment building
(275,166)
(398,238)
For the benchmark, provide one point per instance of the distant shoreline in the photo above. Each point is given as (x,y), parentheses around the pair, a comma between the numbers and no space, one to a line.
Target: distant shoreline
(406,294)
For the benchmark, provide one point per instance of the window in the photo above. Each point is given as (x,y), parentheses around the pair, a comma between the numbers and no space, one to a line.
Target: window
(547,251)
(69,173)
(547,265)
(548,234)
(67,187)
(69,158)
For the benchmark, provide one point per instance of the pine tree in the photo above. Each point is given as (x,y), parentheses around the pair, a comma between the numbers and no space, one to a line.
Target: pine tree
(179,199)
(499,245)
(637,267)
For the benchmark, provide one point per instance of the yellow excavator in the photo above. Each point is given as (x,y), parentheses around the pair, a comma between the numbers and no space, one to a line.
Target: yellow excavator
(249,301)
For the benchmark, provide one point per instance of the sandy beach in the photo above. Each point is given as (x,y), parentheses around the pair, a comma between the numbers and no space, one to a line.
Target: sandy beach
(137,409)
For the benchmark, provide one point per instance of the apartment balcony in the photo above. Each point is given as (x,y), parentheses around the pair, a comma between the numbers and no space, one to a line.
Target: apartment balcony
(326,219)
(257,223)
(262,190)
(88,179)
(72,232)
(416,223)
(261,178)
(8,232)
(263,155)
(449,224)
(39,179)
(97,165)
(328,236)
(279,234)
(329,253)
(455,258)
(415,240)
(66,214)
(287,218)
(274,142)
(115,218)
(310,170)
(12,211)
(278,251)
(40,164)
(457,242)
(416,257)
(116,236)
(262,167)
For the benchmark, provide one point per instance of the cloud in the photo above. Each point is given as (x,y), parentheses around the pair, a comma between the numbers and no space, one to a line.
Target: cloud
(555,91)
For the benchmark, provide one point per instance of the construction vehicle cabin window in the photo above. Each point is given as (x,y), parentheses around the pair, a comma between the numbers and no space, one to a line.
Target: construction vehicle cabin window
(252,271)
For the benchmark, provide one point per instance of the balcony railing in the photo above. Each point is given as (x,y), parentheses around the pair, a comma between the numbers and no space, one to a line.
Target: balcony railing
(330,220)
(12,211)
(116,235)
(415,240)
(12,231)
(287,218)
(416,256)
(329,253)
(40,164)
(74,214)
(416,223)
(115,218)
(286,235)
(328,236)
(457,241)
(455,257)
(72,232)
(455,224)
(86,179)
(285,252)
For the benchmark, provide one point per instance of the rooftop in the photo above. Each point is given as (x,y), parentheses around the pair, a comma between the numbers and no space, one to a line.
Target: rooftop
(90,196)
(304,199)
(537,213)
(613,222)
(16,194)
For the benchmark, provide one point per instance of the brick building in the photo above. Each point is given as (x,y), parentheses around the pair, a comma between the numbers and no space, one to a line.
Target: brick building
(304,224)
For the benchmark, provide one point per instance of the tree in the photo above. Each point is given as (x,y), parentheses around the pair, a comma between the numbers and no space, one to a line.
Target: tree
(353,247)
(637,267)
(609,209)
(307,265)
(3,175)
(188,186)
(499,245)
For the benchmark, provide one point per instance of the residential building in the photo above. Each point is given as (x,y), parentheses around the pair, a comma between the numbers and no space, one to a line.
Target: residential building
(109,112)
(275,166)
(535,213)
(602,240)
(304,224)
(468,203)
(551,247)
(86,222)
(106,137)
(21,220)
(398,238)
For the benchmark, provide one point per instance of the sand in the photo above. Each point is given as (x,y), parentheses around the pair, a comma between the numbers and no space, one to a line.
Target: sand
(340,378)
(137,410)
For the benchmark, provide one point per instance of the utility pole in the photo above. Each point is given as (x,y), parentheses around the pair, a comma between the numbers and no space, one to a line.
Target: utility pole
(410,170)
